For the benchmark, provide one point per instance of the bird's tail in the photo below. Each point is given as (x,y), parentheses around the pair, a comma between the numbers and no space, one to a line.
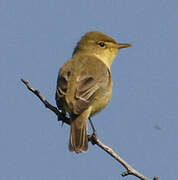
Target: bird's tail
(78,141)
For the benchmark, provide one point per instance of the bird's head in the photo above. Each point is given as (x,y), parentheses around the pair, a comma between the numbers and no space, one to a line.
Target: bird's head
(100,45)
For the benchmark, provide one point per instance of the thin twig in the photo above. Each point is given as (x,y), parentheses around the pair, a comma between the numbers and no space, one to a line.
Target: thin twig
(93,138)
(60,115)
(129,169)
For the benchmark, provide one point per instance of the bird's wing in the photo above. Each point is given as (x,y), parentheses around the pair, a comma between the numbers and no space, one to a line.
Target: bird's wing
(91,76)
(62,85)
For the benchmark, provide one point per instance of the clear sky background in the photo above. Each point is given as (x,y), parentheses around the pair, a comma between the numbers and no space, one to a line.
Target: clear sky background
(140,123)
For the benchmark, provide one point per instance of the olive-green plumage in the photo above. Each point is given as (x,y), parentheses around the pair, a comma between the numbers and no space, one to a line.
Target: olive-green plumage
(84,85)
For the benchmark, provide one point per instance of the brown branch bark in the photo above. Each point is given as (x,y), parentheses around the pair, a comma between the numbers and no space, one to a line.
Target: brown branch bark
(61,116)
(93,138)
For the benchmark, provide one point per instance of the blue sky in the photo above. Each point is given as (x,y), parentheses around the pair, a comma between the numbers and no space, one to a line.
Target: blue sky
(140,123)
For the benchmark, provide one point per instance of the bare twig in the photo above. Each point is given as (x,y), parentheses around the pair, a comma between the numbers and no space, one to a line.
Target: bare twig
(93,138)
(61,116)
(129,169)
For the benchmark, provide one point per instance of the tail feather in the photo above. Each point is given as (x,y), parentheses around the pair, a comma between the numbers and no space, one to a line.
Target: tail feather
(78,141)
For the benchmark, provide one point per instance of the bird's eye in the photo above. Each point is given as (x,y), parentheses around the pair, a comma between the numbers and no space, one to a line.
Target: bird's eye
(101,44)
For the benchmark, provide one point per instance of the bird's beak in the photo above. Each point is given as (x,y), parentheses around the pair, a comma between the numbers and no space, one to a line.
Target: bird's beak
(122,45)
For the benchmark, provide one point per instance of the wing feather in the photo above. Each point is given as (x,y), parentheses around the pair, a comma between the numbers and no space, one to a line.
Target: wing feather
(92,76)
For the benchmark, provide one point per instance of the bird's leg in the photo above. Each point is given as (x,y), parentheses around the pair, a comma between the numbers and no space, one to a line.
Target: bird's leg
(92,137)
(92,126)
(62,120)
(63,114)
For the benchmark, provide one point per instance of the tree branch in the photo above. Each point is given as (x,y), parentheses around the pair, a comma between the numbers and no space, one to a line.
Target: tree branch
(60,115)
(93,138)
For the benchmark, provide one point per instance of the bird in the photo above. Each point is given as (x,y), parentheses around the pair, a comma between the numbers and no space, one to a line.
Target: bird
(84,84)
